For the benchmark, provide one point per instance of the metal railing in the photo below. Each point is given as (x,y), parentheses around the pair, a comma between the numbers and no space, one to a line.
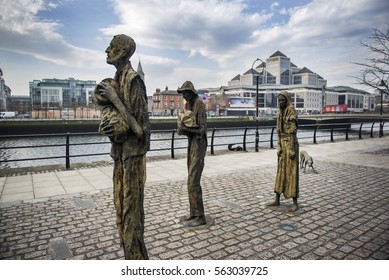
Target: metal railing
(267,132)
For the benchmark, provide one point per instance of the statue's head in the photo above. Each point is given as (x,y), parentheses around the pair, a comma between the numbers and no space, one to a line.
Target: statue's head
(121,47)
(284,99)
(187,90)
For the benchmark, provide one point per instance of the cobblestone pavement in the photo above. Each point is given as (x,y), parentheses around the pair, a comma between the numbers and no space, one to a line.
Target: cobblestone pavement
(343,215)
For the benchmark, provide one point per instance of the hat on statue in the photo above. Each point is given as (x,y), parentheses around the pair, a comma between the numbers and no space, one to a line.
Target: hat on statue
(187,86)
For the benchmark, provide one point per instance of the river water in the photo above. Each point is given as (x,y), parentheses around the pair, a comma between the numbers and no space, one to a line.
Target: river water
(160,145)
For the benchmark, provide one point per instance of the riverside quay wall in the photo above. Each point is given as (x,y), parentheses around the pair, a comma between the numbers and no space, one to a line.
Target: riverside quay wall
(21,127)
(33,126)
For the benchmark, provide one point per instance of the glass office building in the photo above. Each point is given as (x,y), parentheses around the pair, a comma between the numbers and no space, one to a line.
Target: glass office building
(61,93)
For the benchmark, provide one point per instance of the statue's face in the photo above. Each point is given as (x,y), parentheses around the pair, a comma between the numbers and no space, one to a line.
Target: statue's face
(282,102)
(115,52)
(188,95)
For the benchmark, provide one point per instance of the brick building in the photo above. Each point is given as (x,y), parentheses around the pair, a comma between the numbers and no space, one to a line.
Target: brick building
(166,102)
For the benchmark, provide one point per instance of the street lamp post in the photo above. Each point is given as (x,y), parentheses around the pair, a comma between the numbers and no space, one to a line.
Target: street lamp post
(256,105)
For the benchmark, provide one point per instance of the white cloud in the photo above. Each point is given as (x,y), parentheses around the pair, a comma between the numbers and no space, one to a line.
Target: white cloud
(22,31)
(274,5)
(223,32)
(207,41)
(210,28)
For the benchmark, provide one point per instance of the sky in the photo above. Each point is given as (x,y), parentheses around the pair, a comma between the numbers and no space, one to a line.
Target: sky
(208,42)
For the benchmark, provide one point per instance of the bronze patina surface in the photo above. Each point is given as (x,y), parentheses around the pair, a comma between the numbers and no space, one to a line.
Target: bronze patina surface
(287,178)
(125,121)
(196,131)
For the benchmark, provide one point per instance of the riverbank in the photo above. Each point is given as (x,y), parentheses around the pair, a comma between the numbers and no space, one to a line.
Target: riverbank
(22,127)
(33,126)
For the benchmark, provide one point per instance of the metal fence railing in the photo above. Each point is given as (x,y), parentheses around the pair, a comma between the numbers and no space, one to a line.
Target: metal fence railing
(231,138)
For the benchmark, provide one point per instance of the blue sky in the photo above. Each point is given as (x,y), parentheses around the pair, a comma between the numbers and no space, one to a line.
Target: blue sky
(208,42)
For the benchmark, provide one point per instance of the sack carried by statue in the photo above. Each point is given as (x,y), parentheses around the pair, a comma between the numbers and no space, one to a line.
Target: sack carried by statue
(187,118)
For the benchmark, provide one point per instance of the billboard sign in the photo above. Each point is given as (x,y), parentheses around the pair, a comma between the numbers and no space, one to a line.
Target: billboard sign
(242,102)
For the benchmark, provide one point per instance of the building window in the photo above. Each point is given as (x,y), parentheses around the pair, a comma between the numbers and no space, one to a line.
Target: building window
(297,80)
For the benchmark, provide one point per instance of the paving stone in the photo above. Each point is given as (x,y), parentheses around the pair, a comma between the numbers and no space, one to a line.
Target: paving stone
(59,249)
(333,225)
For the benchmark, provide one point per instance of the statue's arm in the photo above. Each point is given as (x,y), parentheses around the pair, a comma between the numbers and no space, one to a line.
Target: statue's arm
(201,121)
(109,92)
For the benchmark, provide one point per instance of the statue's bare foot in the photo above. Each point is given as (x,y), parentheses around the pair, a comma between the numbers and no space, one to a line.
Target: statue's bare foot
(275,203)
(189,218)
(294,208)
(197,222)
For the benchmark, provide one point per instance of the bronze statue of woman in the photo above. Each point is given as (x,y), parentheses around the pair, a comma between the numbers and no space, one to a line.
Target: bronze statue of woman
(287,179)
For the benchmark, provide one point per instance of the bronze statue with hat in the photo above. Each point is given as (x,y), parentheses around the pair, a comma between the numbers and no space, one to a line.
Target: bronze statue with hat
(197,147)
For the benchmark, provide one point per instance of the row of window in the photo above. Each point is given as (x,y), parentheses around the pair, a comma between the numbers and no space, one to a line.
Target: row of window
(166,97)
(166,105)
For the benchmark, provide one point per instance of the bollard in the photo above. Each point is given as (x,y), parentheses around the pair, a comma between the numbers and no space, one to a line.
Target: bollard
(371,131)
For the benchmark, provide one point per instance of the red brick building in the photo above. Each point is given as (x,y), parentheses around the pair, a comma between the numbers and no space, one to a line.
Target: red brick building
(166,102)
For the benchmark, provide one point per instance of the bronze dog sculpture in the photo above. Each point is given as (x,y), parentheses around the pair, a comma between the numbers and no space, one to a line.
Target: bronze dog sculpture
(306,159)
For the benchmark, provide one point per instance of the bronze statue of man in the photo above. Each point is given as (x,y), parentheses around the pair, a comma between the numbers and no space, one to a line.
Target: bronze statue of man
(130,141)
(196,131)
(287,179)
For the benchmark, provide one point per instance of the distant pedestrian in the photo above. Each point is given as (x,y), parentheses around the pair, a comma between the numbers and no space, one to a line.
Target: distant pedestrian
(287,179)
(194,126)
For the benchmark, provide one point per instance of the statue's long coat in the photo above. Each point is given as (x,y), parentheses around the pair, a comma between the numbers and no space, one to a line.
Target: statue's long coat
(287,179)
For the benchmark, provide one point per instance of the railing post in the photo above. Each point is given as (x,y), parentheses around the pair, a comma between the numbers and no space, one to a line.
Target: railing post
(360,131)
(172,146)
(244,139)
(212,138)
(371,131)
(256,139)
(347,133)
(314,135)
(332,133)
(383,124)
(67,151)
(271,137)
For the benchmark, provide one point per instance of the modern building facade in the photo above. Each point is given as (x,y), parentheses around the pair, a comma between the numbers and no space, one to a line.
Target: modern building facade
(309,90)
(61,93)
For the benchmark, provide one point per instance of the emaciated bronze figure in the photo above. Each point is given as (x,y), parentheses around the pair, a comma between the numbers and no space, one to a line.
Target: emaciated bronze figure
(125,121)
(193,123)
(287,179)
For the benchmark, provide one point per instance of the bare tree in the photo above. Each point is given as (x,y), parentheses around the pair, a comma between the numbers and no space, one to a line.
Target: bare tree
(375,72)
